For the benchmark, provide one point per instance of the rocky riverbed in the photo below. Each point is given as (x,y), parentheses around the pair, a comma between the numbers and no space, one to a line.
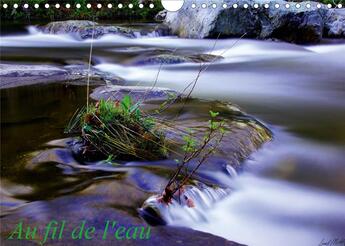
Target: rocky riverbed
(72,190)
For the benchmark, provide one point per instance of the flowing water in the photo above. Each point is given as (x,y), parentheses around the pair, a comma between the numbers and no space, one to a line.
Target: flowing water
(291,192)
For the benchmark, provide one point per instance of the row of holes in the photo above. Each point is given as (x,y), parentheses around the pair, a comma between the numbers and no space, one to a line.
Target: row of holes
(78,5)
(204,5)
(266,5)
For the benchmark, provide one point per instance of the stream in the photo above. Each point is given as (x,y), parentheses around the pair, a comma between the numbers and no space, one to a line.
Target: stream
(291,191)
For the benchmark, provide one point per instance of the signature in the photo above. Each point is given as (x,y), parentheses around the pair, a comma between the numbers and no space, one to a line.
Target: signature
(332,242)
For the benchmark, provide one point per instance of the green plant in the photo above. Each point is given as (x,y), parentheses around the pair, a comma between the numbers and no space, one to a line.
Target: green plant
(194,150)
(119,129)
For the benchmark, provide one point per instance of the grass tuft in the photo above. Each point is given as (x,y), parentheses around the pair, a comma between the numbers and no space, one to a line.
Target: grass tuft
(119,129)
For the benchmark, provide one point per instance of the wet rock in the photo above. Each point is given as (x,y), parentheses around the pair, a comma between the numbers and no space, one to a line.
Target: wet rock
(164,59)
(97,204)
(13,70)
(168,59)
(335,24)
(201,58)
(301,25)
(162,30)
(85,29)
(82,70)
(14,75)
(138,93)
(84,153)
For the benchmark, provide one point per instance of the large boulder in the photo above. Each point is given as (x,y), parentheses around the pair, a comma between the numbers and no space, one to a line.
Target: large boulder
(297,25)
(85,29)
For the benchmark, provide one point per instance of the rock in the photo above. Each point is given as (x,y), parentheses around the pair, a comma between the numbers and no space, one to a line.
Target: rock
(335,24)
(14,75)
(168,59)
(160,17)
(305,26)
(96,204)
(83,153)
(200,58)
(13,70)
(164,59)
(82,71)
(138,93)
(301,25)
(85,29)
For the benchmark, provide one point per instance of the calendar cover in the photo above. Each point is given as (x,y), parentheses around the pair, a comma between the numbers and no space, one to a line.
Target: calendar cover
(172,122)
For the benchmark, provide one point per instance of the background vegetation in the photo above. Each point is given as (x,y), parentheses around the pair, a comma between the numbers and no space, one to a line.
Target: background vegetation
(52,14)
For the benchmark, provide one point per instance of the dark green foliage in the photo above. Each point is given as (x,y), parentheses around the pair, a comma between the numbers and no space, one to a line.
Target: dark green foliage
(83,13)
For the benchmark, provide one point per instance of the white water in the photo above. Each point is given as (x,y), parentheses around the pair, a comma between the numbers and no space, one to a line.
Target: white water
(179,213)
(272,205)
(271,212)
(292,192)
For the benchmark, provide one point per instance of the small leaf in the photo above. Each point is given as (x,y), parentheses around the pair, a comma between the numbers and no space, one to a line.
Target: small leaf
(126,102)
(214,114)
(137,113)
(134,107)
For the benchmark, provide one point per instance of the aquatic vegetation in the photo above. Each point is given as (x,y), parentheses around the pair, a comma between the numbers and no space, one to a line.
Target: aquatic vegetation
(119,130)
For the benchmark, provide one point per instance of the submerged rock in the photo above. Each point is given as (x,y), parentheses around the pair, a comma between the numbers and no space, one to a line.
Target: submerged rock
(164,59)
(302,25)
(168,59)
